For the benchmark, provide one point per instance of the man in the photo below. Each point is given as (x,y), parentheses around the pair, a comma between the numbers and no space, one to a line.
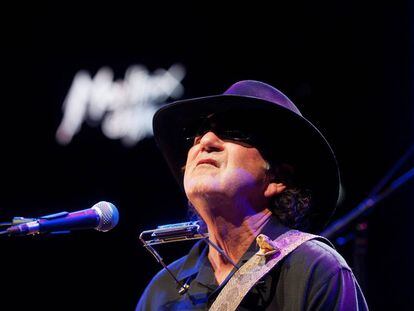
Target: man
(251,164)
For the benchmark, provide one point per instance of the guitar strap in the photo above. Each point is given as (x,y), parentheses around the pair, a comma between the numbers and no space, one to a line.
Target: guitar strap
(270,253)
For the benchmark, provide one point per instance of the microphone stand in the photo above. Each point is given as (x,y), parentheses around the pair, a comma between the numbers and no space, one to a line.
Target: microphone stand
(374,197)
(366,206)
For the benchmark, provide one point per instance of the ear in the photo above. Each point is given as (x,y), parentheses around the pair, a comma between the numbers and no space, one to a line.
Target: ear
(273,189)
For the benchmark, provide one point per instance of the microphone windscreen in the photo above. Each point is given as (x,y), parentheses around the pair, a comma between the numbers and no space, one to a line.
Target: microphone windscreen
(108,215)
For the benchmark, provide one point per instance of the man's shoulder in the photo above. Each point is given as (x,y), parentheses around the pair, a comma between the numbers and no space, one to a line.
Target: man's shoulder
(161,287)
(322,275)
(316,256)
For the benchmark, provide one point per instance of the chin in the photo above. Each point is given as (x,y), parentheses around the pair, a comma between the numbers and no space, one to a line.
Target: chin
(201,185)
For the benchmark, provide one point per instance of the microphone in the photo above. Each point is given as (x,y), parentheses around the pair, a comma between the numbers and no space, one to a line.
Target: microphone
(103,216)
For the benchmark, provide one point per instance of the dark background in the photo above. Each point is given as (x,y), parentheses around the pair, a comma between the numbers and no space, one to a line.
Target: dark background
(346,64)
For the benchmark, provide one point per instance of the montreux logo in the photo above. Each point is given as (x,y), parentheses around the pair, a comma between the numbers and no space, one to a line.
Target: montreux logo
(123,108)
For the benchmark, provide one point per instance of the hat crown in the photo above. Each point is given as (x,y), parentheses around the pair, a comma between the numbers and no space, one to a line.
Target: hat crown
(262,91)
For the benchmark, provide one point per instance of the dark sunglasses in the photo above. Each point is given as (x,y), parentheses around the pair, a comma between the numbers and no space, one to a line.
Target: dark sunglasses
(224,128)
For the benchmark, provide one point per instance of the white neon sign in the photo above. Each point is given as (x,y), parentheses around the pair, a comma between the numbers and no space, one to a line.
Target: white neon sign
(124,108)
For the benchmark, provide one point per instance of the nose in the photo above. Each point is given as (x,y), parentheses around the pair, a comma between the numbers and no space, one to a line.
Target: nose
(211,142)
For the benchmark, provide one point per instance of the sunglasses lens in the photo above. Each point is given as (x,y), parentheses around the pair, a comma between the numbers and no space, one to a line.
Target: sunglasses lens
(226,127)
(224,134)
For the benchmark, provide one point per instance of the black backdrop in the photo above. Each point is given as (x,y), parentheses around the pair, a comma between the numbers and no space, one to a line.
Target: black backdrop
(347,66)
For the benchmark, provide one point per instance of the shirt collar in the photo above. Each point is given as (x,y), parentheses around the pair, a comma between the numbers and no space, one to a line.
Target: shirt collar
(197,260)
(194,260)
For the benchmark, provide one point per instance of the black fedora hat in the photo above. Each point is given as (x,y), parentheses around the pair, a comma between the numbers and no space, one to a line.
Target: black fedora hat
(281,133)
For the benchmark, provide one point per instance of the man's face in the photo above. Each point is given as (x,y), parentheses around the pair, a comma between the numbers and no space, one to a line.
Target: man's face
(224,168)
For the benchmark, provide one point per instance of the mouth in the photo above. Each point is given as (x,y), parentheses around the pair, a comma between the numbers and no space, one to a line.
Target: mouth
(208,162)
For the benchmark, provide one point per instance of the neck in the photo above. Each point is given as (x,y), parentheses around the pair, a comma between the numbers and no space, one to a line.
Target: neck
(233,233)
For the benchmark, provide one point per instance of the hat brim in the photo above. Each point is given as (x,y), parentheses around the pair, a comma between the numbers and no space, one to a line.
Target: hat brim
(288,136)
